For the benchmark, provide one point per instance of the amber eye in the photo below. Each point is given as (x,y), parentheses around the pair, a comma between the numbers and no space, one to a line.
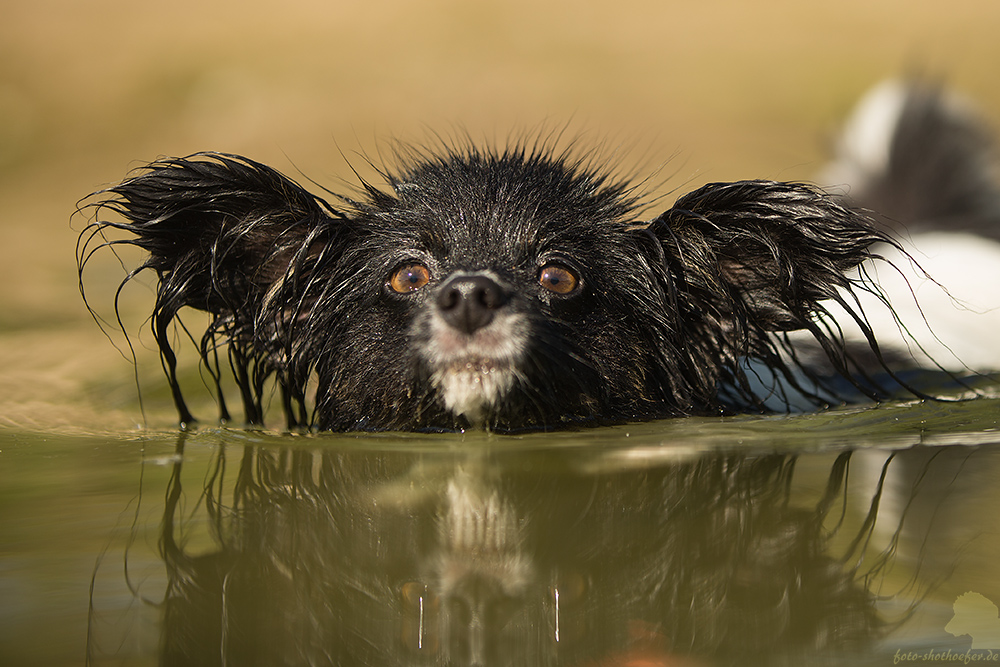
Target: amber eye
(557,279)
(409,278)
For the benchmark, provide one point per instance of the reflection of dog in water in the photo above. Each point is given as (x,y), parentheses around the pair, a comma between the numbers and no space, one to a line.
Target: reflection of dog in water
(343,556)
(521,288)
(977,617)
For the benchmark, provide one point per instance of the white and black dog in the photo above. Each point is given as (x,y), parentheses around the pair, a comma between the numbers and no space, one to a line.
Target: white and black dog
(518,288)
(928,166)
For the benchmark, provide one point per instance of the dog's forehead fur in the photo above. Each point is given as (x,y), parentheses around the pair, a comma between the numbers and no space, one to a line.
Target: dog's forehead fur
(480,208)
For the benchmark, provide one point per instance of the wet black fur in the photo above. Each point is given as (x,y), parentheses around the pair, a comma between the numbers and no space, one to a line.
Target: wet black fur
(668,313)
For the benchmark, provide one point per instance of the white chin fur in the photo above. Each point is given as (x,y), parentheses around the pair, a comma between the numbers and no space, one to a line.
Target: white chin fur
(474,373)
(471,388)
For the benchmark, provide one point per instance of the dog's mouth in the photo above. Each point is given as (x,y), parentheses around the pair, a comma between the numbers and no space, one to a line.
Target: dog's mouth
(478,366)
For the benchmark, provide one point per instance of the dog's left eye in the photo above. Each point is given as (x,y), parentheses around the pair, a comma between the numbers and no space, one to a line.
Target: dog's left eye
(558,279)
(409,278)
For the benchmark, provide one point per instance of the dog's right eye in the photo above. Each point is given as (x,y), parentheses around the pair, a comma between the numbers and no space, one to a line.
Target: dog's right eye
(409,278)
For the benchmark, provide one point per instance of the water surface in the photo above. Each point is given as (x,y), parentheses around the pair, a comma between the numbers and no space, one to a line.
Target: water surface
(863,535)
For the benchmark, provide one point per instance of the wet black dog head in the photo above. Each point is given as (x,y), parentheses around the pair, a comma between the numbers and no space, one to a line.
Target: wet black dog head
(508,289)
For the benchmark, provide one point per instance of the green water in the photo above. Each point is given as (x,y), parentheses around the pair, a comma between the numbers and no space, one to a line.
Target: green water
(750,540)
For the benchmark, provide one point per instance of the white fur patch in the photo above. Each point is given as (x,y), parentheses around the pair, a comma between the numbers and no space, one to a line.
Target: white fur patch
(865,144)
(469,388)
(953,317)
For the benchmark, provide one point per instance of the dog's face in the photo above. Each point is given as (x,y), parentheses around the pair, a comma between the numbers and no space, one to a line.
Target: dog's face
(499,291)
(504,289)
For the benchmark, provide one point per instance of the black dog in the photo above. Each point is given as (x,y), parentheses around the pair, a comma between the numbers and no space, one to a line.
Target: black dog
(507,289)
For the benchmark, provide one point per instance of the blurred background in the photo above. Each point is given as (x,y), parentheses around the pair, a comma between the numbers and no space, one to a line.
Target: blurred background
(703,91)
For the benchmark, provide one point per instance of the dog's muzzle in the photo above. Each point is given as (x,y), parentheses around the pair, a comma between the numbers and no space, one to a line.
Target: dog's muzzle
(476,343)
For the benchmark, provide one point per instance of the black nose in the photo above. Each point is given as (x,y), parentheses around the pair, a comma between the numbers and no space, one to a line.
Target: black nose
(468,302)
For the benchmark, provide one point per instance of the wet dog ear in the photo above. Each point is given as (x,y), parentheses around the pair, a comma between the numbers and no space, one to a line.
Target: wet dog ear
(219,229)
(224,235)
(763,254)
